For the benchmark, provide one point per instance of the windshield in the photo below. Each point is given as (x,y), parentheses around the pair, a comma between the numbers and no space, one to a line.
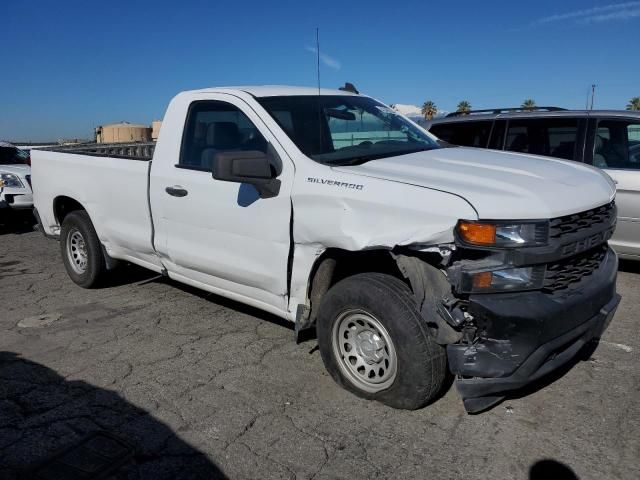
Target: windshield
(345,130)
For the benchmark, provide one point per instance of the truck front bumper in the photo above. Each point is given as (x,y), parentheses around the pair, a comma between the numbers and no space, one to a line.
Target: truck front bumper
(524,336)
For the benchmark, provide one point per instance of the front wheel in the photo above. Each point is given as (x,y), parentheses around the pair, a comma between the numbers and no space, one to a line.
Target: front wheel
(81,250)
(375,343)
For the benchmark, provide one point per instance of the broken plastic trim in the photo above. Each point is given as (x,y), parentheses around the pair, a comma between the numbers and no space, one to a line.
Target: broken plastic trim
(430,287)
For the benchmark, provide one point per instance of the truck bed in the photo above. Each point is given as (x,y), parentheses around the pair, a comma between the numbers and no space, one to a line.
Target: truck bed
(132,151)
(111,182)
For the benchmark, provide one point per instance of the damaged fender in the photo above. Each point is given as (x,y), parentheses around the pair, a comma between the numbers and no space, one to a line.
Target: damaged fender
(380,215)
(430,287)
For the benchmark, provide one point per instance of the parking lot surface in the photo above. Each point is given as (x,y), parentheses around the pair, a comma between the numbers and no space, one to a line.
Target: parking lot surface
(202,387)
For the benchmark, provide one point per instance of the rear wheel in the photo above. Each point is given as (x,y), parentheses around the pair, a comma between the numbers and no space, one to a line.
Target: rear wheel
(375,343)
(81,251)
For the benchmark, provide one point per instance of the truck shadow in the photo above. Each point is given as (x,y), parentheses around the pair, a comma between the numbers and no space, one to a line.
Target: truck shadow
(127,274)
(230,304)
(54,428)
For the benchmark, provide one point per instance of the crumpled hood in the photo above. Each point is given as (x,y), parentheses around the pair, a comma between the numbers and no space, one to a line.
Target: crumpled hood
(20,170)
(499,185)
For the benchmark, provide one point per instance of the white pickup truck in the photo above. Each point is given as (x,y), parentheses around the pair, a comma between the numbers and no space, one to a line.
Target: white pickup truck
(333,211)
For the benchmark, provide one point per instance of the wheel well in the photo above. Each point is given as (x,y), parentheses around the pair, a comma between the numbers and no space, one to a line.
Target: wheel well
(336,264)
(63,206)
(348,263)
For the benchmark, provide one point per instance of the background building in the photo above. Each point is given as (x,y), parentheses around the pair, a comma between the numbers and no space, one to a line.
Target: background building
(123,132)
(155,129)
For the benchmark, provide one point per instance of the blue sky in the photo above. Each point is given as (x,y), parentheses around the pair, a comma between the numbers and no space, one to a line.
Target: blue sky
(68,66)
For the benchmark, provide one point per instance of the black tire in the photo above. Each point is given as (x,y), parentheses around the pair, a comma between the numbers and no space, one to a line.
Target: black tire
(421,363)
(95,266)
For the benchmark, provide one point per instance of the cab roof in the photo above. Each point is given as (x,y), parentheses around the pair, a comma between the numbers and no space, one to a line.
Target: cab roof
(274,90)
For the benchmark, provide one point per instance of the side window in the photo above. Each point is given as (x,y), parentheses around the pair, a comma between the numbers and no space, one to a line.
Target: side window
(213,127)
(553,137)
(617,145)
(466,134)
(517,138)
(444,131)
(497,135)
(633,131)
(561,137)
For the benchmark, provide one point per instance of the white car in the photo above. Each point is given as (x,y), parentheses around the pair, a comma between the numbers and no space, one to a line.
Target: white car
(15,178)
(333,211)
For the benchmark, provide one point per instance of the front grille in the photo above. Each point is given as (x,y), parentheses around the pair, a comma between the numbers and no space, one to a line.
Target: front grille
(28,177)
(569,272)
(569,224)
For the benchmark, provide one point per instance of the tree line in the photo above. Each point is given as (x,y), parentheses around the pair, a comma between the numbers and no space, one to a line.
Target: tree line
(429,108)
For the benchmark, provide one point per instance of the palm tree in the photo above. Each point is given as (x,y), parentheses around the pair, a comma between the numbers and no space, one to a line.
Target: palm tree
(464,107)
(429,110)
(634,104)
(529,105)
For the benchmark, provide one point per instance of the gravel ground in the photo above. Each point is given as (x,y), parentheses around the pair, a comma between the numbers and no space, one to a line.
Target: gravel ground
(203,387)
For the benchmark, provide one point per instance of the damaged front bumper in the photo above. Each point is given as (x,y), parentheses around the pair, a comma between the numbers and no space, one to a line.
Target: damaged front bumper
(524,336)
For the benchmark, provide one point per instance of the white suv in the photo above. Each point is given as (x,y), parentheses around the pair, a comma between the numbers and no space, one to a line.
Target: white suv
(15,178)
(605,139)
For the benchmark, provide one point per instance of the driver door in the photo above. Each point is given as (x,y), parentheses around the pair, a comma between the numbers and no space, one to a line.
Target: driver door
(219,235)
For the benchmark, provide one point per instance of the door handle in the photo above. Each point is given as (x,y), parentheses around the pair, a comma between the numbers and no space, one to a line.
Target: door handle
(176,191)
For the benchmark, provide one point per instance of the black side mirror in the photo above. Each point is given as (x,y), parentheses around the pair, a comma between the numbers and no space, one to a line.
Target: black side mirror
(252,167)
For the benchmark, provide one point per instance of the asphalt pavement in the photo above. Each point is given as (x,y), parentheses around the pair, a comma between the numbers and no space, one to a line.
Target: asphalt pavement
(202,387)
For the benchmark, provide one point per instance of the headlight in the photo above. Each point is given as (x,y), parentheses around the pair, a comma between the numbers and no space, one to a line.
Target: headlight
(503,234)
(10,180)
(521,278)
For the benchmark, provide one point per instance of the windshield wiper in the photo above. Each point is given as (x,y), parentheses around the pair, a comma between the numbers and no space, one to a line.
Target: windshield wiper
(359,160)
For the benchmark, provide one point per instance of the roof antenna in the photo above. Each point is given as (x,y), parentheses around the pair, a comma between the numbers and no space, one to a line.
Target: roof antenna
(586,107)
(319,92)
(318,56)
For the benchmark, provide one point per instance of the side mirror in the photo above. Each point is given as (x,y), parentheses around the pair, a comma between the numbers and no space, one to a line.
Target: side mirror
(252,167)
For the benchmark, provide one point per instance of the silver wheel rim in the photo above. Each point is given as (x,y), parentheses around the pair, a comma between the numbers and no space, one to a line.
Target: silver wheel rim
(77,251)
(364,351)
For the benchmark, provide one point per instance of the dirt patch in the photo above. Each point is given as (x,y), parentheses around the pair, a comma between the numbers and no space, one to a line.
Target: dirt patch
(39,321)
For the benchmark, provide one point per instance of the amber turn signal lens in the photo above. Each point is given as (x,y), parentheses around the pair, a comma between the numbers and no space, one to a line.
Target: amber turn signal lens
(478,233)
(482,280)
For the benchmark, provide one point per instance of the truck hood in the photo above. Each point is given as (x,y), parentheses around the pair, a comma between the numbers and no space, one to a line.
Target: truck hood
(499,185)
(20,170)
